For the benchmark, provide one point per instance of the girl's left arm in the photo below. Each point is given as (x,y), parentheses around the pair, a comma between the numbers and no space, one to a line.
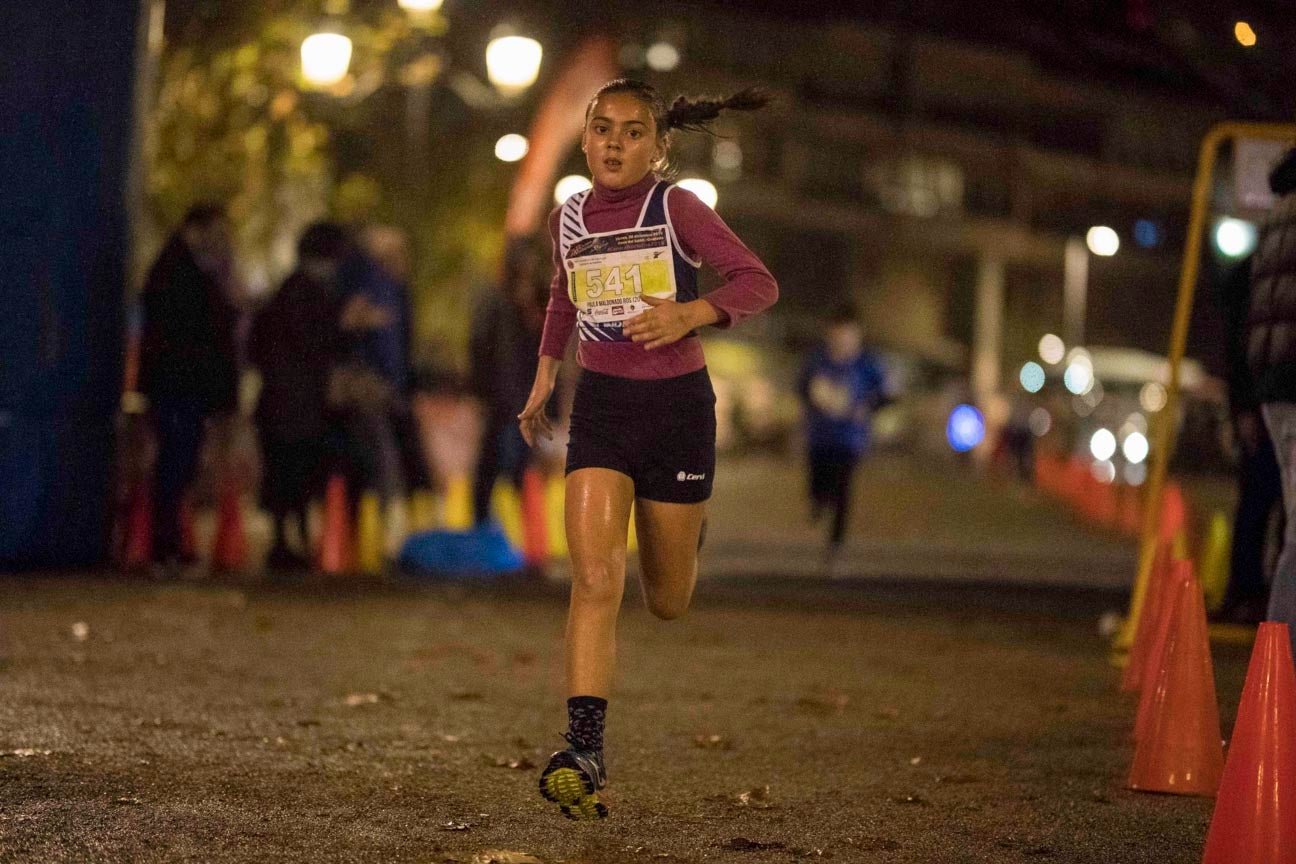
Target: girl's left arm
(748,286)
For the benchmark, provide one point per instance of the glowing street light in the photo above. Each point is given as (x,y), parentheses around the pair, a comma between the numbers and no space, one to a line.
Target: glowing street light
(703,189)
(1135,447)
(1245,36)
(1103,241)
(1051,349)
(325,58)
(569,186)
(662,57)
(1152,397)
(420,6)
(513,63)
(511,148)
(1032,377)
(1102,445)
(1235,238)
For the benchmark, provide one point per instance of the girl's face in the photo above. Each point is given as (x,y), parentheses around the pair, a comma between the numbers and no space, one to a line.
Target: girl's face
(620,141)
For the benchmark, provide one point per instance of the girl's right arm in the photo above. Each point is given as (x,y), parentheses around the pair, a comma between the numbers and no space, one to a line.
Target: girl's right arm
(560,321)
(533,419)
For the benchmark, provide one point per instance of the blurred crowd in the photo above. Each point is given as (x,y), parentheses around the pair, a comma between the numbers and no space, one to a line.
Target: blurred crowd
(328,358)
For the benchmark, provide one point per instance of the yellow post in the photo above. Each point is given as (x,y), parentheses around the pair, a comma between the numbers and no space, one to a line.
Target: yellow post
(369,535)
(507,507)
(1214,569)
(1164,433)
(458,504)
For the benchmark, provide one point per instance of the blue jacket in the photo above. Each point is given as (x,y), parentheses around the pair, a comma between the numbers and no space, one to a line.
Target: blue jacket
(839,399)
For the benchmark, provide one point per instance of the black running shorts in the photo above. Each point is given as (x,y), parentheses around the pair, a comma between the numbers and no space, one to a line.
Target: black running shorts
(659,433)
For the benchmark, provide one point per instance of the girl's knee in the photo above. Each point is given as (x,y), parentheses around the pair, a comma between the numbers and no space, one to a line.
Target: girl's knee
(599,582)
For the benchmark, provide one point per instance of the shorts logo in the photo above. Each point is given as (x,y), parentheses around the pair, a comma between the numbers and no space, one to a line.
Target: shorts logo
(681,476)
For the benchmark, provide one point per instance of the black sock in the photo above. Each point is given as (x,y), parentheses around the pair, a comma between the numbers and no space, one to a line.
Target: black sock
(585,717)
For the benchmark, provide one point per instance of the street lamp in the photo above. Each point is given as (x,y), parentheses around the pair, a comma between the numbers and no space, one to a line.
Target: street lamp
(511,148)
(1235,238)
(422,6)
(513,63)
(569,186)
(1103,241)
(325,58)
(703,189)
(1100,240)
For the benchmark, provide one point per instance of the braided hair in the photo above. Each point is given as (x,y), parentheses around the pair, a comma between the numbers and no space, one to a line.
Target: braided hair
(686,114)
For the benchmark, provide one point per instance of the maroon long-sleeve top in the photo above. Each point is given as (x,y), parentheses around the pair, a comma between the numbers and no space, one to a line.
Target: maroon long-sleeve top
(703,236)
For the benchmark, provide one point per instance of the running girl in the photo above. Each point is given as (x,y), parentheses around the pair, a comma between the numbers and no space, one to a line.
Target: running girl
(626,256)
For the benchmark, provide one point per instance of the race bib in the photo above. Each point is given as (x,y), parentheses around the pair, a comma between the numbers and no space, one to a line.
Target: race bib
(608,273)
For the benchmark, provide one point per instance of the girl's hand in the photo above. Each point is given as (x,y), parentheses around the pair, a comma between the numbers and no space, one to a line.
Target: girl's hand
(533,421)
(668,321)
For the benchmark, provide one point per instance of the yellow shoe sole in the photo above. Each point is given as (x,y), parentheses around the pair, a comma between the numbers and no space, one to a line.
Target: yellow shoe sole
(566,788)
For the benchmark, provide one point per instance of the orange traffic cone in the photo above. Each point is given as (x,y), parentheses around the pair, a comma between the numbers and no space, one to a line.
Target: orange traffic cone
(137,538)
(230,547)
(1255,815)
(535,527)
(1132,679)
(1131,514)
(335,546)
(1154,660)
(1174,512)
(1180,751)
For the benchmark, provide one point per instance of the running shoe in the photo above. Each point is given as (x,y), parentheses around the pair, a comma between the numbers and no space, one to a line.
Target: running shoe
(572,780)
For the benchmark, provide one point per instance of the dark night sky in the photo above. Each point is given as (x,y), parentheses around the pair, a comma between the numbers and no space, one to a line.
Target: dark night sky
(1184,45)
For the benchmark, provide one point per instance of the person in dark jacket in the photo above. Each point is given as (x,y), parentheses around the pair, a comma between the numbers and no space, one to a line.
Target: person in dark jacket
(295,343)
(840,386)
(1271,359)
(505,340)
(188,358)
(1259,478)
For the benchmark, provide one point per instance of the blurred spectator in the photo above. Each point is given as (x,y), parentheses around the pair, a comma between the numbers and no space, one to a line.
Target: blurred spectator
(1016,442)
(1271,361)
(295,343)
(840,386)
(1258,476)
(389,249)
(372,377)
(505,342)
(188,358)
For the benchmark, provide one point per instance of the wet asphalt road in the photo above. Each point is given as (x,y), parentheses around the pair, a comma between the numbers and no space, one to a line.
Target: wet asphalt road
(781,720)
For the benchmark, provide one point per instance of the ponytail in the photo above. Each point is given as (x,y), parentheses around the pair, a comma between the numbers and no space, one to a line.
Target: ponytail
(695,115)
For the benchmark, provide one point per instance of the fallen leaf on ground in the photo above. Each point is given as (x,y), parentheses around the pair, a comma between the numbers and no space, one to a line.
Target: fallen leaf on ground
(517,764)
(467,696)
(757,798)
(129,802)
(742,844)
(456,826)
(356,699)
(496,856)
(24,752)
(80,631)
(910,799)
(712,742)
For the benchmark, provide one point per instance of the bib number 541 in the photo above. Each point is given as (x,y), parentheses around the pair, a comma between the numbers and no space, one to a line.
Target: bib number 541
(615,281)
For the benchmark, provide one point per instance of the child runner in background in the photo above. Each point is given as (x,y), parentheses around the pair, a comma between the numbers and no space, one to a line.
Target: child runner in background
(626,256)
(840,386)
